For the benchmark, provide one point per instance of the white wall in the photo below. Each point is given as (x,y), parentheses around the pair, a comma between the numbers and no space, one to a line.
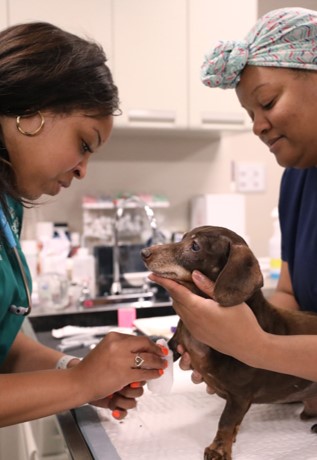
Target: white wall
(267,5)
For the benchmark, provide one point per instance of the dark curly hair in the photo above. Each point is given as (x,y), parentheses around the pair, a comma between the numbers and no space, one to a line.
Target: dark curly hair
(45,67)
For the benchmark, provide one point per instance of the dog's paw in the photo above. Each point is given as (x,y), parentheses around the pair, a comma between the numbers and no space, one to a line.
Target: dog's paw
(212,454)
(314,428)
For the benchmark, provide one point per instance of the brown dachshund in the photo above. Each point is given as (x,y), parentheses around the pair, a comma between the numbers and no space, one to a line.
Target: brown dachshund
(225,258)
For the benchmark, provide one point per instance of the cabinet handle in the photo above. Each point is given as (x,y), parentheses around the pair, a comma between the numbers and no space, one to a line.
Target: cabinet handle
(223,118)
(163,116)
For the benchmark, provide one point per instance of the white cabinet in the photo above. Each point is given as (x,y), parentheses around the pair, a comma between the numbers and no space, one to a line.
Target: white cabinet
(158,51)
(85,18)
(210,22)
(155,50)
(150,67)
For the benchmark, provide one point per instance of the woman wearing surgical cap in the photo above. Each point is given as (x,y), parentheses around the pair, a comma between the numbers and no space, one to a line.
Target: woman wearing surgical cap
(274,73)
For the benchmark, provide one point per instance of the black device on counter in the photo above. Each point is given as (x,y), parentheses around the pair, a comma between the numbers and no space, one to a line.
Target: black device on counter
(130,262)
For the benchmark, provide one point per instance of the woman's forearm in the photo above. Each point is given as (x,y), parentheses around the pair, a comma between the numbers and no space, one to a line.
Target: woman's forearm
(28,355)
(107,369)
(48,392)
(282,299)
(290,354)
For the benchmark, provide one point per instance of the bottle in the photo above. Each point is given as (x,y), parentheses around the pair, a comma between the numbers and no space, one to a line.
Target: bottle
(83,271)
(44,235)
(74,243)
(31,252)
(54,246)
(275,246)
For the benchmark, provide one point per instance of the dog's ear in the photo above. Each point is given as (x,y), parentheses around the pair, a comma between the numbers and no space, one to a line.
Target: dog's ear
(240,277)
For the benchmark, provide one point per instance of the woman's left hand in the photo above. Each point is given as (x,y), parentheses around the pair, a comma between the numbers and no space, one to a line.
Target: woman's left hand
(185,365)
(122,401)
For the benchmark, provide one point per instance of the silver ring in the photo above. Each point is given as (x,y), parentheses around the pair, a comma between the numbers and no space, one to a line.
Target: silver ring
(138,361)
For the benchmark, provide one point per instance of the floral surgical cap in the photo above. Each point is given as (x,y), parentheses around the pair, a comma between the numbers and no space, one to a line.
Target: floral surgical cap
(286,37)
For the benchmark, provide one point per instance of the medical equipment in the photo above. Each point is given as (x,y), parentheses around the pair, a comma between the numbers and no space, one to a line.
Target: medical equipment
(6,229)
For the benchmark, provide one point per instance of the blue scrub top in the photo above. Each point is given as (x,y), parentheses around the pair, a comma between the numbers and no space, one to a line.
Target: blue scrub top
(298,218)
(12,289)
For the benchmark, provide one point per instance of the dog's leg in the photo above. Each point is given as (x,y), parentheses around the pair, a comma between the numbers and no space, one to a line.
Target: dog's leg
(230,420)
(172,345)
(178,338)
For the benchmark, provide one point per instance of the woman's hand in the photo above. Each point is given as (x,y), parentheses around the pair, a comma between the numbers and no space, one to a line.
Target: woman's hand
(230,330)
(122,401)
(110,368)
(185,365)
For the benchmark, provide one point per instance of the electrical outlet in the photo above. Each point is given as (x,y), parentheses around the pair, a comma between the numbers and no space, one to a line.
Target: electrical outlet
(250,177)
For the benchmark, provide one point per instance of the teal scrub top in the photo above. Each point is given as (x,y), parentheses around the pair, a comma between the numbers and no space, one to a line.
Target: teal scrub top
(12,289)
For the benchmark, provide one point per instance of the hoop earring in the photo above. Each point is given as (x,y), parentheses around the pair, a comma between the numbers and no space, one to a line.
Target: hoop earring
(30,133)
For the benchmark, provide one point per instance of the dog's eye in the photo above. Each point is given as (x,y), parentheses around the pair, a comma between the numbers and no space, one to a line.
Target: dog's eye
(195,246)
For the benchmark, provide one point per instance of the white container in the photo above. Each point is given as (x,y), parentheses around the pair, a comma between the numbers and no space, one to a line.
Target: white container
(44,232)
(84,270)
(53,255)
(275,247)
(53,291)
(221,210)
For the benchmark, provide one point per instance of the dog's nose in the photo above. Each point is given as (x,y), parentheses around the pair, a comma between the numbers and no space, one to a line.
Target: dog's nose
(146,252)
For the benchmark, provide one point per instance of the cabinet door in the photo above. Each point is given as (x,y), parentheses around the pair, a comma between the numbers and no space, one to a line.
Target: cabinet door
(210,22)
(90,19)
(150,62)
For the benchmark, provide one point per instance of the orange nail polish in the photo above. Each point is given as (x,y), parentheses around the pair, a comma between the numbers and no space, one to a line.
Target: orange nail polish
(164,350)
(116,414)
(161,371)
(135,385)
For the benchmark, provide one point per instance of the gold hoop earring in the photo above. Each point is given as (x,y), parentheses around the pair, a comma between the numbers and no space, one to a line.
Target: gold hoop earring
(30,133)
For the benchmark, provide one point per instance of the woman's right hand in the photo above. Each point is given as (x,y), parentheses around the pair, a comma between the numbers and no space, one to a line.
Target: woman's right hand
(185,365)
(214,325)
(110,366)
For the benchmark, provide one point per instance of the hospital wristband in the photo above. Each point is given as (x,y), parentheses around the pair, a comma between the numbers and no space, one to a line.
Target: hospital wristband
(64,360)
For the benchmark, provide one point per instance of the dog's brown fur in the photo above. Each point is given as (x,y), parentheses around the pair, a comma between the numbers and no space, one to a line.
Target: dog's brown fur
(225,258)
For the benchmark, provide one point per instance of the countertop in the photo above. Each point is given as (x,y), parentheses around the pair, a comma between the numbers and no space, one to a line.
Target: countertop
(179,425)
(110,308)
